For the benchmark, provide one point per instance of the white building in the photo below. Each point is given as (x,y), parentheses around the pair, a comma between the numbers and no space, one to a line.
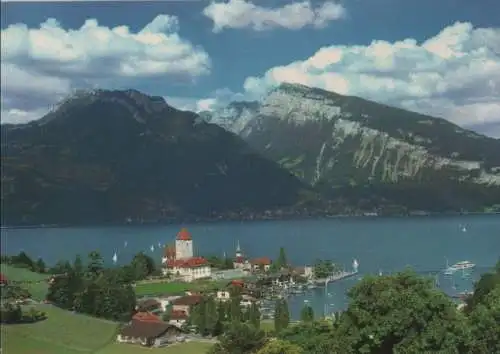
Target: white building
(180,260)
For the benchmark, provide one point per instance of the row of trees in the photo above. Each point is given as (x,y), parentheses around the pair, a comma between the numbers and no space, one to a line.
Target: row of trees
(12,313)
(400,313)
(22,260)
(94,290)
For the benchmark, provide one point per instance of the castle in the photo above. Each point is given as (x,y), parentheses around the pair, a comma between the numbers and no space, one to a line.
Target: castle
(180,261)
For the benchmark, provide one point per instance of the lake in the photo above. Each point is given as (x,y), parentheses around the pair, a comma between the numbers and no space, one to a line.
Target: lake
(379,244)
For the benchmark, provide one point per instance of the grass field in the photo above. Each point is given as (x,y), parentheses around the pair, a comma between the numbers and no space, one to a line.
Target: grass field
(61,333)
(66,333)
(35,283)
(173,287)
(182,348)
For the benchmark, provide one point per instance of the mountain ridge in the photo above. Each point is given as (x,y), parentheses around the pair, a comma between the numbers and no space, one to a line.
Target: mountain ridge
(107,156)
(337,141)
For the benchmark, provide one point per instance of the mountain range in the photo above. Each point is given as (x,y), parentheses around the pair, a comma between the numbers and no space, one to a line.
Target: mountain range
(113,156)
(110,156)
(369,154)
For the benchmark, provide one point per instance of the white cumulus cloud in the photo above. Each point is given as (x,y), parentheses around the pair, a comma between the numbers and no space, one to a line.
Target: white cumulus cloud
(238,14)
(455,74)
(41,64)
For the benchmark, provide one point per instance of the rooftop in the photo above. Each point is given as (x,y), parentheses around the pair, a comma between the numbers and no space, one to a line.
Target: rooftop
(184,235)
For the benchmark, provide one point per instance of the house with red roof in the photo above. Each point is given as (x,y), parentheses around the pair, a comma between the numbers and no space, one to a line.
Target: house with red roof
(263,263)
(180,261)
(3,279)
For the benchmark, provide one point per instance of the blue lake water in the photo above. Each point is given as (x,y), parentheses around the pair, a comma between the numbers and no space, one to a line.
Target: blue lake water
(379,244)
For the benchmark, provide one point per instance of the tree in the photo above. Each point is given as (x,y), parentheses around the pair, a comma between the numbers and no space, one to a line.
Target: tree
(323,269)
(486,284)
(254,315)
(485,324)
(40,266)
(78,265)
(23,260)
(61,267)
(316,337)
(239,338)
(401,313)
(235,313)
(143,266)
(95,264)
(280,347)
(281,315)
(282,261)
(307,314)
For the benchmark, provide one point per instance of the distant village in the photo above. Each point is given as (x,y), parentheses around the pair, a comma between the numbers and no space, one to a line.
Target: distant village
(259,283)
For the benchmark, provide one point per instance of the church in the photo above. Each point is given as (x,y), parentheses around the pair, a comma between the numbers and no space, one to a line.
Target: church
(180,261)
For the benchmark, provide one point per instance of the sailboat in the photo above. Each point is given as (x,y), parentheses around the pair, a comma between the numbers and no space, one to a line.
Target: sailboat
(152,248)
(355,265)
(159,244)
(115,258)
(125,244)
(380,272)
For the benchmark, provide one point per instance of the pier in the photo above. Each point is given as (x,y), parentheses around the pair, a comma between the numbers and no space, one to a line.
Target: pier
(335,277)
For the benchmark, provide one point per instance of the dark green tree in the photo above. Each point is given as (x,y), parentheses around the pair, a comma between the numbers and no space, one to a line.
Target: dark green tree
(316,337)
(235,312)
(282,261)
(254,315)
(401,313)
(281,315)
(78,265)
(307,314)
(239,338)
(323,268)
(280,347)
(485,324)
(95,264)
(23,260)
(143,266)
(40,266)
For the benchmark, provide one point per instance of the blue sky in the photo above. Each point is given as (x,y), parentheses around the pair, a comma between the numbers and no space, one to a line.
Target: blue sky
(202,54)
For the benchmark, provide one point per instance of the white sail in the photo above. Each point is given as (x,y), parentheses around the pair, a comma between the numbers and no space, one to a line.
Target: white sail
(125,244)
(152,248)
(355,265)
(115,258)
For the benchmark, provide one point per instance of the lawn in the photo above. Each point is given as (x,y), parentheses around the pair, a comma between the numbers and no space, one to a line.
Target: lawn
(181,348)
(66,333)
(175,287)
(61,333)
(35,283)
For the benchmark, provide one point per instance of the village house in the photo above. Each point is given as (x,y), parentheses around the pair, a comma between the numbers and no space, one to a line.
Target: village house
(149,333)
(180,261)
(261,264)
(178,318)
(185,303)
(223,295)
(149,305)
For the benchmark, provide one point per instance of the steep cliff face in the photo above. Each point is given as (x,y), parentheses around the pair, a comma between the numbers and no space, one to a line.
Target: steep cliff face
(342,144)
(105,156)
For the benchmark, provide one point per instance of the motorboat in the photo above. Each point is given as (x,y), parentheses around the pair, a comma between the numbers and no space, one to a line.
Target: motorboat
(462,265)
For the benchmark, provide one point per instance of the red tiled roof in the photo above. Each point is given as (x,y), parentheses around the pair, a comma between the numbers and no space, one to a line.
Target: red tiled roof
(184,235)
(188,300)
(261,261)
(237,282)
(239,259)
(3,279)
(187,263)
(146,317)
(178,315)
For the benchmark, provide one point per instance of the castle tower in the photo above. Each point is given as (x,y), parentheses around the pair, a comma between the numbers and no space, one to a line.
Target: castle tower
(183,245)
(238,250)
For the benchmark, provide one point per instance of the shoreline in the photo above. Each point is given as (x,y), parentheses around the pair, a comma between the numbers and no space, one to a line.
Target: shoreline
(240,220)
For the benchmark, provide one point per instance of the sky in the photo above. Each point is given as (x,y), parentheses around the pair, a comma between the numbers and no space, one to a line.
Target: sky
(440,57)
